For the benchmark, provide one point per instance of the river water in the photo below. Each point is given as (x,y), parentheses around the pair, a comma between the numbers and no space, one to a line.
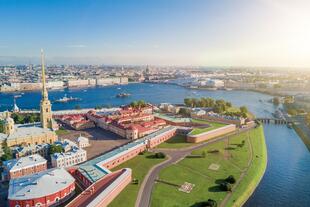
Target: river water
(287,178)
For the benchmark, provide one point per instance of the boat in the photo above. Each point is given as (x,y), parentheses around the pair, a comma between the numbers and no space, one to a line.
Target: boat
(66,99)
(123,95)
(118,88)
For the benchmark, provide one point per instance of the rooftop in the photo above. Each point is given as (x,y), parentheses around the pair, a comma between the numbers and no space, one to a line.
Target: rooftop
(73,151)
(24,162)
(35,186)
(25,130)
(93,170)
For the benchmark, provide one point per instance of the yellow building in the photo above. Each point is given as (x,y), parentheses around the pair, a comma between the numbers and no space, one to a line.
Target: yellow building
(31,134)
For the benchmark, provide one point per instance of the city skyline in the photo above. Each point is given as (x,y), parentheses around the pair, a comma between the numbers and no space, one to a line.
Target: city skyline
(207,33)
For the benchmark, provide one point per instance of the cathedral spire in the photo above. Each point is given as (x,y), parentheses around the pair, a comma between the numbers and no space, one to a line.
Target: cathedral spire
(44,90)
(45,106)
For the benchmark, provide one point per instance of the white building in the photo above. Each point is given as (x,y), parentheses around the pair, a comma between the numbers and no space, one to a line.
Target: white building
(23,166)
(66,159)
(67,145)
(82,142)
(214,83)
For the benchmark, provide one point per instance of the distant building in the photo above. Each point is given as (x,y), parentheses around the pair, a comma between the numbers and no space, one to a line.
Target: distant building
(170,108)
(23,166)
(48,188)
(70,158)
(214,83)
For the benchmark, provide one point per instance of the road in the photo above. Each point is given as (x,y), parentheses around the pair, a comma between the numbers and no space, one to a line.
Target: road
(174,155)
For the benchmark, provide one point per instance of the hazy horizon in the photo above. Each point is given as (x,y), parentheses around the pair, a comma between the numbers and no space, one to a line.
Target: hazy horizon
(240,33)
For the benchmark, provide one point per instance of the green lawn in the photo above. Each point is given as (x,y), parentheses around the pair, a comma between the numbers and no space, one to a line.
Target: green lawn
(60,132)
(233,159)
(213,125)
(178,141)
(140,166)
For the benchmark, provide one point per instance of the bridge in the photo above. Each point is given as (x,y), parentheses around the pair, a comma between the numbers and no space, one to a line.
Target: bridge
(273,121)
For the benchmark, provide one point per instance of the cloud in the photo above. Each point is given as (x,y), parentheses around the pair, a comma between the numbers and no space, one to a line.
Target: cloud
(76,46)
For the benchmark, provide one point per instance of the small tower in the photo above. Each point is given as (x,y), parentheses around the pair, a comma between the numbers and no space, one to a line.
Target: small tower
(15,107)
(8,124)
(45,105)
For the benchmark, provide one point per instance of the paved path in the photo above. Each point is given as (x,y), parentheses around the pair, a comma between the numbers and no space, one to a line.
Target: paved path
(144,195)
(225,200)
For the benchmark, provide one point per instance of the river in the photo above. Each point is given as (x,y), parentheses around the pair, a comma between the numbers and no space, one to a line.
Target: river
(287,178)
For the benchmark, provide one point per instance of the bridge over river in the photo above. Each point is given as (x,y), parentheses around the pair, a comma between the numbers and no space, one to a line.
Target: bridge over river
(273,121)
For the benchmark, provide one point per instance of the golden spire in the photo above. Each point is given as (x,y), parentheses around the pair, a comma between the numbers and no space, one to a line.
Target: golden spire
(44,90)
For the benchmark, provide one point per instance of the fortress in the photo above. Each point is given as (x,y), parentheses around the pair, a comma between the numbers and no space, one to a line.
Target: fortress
(31,134)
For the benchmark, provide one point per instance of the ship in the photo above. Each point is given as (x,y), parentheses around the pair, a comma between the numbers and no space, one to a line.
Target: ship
(123,95)
(66,99)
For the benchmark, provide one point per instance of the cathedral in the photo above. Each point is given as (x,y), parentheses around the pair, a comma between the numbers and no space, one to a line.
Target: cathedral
(32,134)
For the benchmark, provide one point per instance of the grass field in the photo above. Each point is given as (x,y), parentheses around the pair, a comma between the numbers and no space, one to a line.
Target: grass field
(60,132)
(213,125)
(176,142)
(232,158)
(140,166)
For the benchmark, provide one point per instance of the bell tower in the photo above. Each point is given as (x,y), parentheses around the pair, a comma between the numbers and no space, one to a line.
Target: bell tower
(45,105)
(8,124)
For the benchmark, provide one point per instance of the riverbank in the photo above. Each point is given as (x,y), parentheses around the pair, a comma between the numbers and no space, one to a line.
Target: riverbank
(244,156)
(255,172)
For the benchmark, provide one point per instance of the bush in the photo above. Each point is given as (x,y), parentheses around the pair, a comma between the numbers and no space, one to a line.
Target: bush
(203,154)
(230,179)
(208,203)
(225,186)
(213,151)
(55,149)
(135,181)
(159,155)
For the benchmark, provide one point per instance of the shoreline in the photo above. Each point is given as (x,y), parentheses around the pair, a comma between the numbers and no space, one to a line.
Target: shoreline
(256,180)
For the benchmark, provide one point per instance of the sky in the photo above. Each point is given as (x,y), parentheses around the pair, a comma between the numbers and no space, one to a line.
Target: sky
(273,33)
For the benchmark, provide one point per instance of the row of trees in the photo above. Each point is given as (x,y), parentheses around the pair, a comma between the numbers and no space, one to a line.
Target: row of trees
(138,104)
(1,126)
(228,183)
(219,106)
(205,102)
(308,118)
(26,118)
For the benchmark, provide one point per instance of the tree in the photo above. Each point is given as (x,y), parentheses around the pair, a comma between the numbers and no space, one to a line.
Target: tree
(208,203)
(141,103)
(210,102)
(308,118)
(159,155)
(190,102)
(1,126)
(135,181)
(55,149)
(203,154)
(225,186)
(230,179)
(276,100)
(184,112)
(7,153)
(243,109)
